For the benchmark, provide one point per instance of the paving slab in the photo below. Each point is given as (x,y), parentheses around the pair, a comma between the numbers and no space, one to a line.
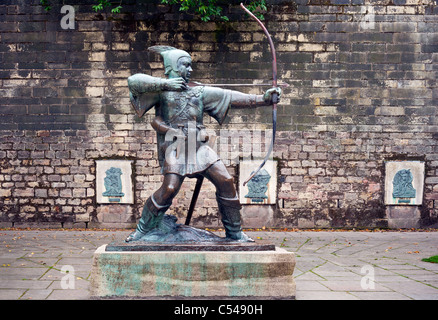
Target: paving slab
(351,286)
(372,295)
(11,294)
(325,295)
(36,294)
(24,284)
(311,285)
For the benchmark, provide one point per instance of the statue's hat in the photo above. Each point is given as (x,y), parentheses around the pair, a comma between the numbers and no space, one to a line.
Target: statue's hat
(170,56)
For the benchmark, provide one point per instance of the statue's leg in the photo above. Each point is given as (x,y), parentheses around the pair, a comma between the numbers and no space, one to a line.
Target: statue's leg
(156,205)
(228,201)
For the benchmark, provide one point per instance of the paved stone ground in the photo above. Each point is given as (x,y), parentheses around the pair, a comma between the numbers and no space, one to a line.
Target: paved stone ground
(330,265)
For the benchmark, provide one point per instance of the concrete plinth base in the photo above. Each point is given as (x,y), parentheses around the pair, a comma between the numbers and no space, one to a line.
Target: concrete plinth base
(193,275)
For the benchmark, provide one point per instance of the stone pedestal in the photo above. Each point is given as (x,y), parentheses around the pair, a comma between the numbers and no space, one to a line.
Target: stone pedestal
(403,217)
(254,216)
(193,274)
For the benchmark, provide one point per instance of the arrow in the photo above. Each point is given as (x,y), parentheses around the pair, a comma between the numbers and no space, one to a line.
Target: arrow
(196,83)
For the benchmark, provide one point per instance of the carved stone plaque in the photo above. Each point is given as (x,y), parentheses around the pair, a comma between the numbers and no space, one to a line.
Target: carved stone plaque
(262,188)
(114,181)
(404,182)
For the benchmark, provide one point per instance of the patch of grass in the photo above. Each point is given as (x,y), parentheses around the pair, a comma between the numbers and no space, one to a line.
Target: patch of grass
(433,259)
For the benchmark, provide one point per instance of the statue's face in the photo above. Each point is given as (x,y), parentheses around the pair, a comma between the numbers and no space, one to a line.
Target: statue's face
(185,68)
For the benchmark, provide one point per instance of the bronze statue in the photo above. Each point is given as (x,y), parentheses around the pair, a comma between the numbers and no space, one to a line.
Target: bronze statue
(183,144)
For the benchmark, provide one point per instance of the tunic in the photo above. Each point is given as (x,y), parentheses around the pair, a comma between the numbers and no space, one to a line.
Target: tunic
(182,110)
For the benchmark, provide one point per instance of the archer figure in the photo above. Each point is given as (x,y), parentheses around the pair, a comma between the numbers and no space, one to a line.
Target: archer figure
(179,116)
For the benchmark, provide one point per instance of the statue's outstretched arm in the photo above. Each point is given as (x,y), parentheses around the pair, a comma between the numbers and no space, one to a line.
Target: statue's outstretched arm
(244,100)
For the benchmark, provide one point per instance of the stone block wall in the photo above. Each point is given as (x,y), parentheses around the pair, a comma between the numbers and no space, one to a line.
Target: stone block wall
(362,78)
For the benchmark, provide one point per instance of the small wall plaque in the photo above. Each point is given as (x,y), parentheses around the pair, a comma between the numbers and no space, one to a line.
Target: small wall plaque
(262,188)
(113,184)
(258,186)
(114,181)
(404,182)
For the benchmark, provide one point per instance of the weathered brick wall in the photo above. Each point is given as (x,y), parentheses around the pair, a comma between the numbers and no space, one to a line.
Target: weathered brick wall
(363,90)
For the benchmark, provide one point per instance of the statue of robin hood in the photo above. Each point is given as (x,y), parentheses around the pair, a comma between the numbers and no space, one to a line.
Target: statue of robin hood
(183,148)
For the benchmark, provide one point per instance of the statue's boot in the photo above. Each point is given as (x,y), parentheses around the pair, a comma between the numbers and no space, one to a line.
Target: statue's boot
(151,217)
(229,209)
